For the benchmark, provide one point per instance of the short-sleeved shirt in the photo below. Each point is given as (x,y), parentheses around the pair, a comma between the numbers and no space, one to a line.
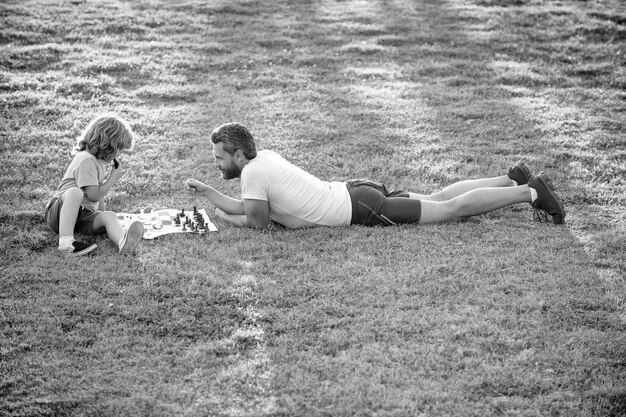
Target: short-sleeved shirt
(84,170)
(296,198)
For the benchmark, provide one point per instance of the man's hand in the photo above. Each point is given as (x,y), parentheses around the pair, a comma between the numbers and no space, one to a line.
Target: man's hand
(195,187)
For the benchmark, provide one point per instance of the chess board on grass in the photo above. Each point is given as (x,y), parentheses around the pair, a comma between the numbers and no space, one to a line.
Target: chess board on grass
(166,221)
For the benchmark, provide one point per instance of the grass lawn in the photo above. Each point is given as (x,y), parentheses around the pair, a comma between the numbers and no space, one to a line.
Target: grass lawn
(498,315)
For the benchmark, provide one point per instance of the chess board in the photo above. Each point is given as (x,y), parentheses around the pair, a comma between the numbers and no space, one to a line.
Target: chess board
(165,221)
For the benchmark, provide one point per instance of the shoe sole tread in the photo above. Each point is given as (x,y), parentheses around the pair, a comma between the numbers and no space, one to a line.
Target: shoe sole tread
(133,238)
(546,183)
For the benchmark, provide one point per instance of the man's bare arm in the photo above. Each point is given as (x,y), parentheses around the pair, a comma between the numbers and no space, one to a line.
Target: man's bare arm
(257,215)
(224,203)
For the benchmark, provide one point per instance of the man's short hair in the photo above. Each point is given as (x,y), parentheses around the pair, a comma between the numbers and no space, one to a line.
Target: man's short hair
(235,136)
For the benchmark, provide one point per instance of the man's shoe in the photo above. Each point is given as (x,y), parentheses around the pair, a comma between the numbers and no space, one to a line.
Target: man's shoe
(131,238)
(520,173)
(547,200)
(78,248)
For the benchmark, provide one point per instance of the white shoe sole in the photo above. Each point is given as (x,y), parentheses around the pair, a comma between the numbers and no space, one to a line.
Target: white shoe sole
(133,236)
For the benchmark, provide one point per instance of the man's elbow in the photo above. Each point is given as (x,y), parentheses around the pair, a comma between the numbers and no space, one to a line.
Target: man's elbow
(258,223)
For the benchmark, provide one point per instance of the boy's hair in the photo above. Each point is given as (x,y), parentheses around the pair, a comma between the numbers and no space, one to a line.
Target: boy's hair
(235,136)
(105,135)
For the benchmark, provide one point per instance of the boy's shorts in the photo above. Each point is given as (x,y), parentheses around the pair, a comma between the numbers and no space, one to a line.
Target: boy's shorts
(373,204)
(84,220)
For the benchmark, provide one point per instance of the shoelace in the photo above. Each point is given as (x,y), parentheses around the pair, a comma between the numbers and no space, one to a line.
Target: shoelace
(540,214)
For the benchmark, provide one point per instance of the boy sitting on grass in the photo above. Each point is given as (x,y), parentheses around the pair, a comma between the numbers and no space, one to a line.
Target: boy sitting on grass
(78,204)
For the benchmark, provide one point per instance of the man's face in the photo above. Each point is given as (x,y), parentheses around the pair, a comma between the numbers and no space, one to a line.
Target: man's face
(225,162)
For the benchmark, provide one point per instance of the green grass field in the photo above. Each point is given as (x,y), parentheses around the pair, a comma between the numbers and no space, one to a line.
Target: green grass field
(495,316)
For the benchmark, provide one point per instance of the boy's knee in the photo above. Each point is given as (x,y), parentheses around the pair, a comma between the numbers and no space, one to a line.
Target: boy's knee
(109,216)
(74,193)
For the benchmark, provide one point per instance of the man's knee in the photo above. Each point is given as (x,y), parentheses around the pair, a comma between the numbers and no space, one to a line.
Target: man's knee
(442,211)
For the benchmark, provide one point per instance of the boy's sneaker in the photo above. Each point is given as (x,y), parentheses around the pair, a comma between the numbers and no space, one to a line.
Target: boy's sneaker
(78,248)
(520,173)
(547,200)
(131,238)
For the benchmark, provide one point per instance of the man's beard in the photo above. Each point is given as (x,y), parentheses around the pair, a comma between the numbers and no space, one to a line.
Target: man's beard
(230,173)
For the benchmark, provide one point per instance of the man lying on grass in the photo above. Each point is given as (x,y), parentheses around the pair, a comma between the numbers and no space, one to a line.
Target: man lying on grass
(274,189)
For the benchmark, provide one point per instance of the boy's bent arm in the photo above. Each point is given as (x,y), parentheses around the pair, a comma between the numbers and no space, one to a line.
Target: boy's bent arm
(96,193)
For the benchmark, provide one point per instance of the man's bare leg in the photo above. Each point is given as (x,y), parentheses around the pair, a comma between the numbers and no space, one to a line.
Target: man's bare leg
(473,203)
(462,187)
(517,175)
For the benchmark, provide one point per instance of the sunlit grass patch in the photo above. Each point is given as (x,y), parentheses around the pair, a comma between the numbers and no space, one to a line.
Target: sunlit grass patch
(362,47)
(34,57)
(169,93)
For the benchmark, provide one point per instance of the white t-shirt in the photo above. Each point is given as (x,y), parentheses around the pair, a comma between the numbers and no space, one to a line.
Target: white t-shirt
(84,170)
(296,198)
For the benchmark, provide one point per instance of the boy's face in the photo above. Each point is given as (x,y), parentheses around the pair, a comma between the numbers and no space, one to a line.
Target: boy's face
(119,152)
(112,157)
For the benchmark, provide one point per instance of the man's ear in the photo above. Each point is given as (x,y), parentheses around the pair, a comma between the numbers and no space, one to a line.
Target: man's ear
(239,155)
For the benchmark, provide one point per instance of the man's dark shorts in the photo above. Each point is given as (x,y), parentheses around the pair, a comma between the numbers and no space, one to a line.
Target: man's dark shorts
(373,204)
(84,221)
